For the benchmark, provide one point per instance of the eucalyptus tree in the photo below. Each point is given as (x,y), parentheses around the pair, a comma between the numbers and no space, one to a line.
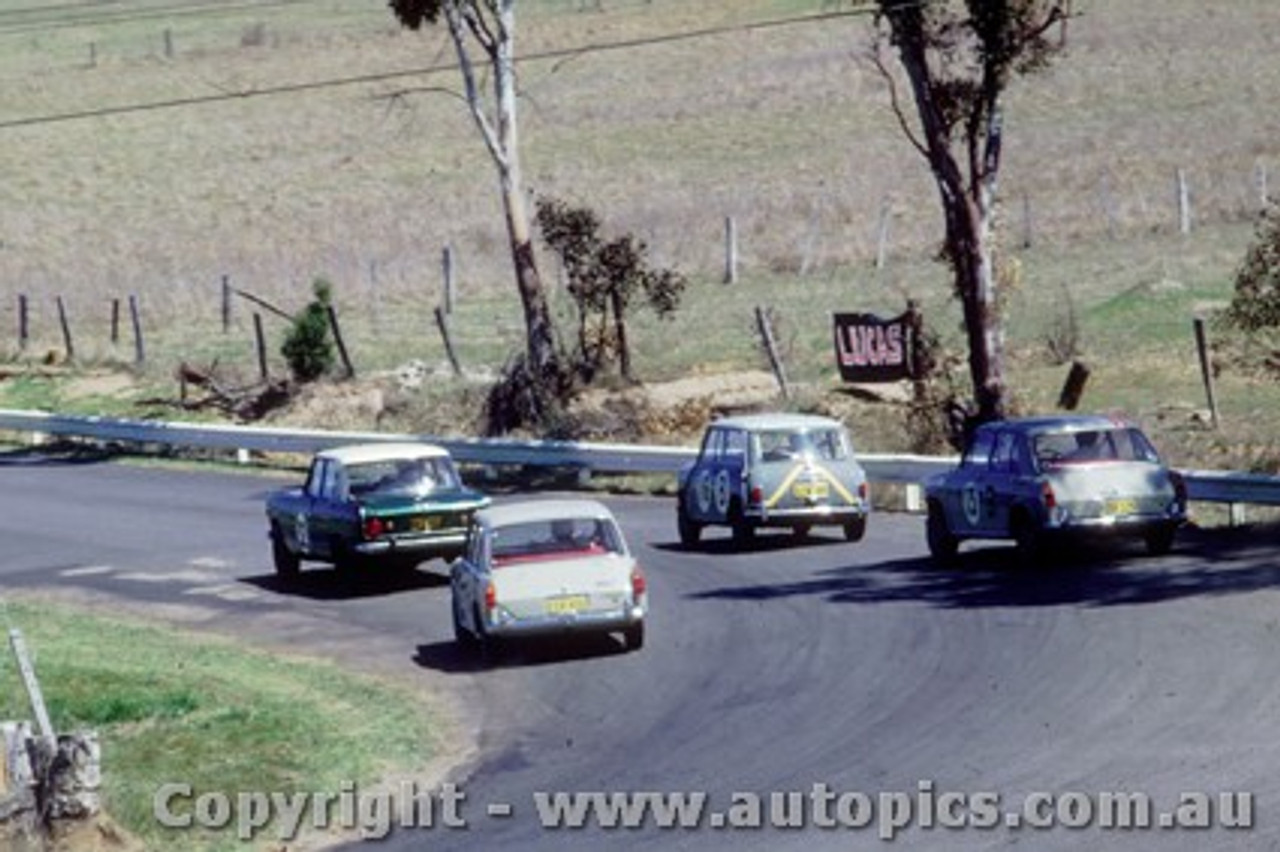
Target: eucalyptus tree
(959,57)
(483,34)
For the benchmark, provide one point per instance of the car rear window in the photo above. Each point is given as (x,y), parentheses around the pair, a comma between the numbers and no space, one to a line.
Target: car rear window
(403,477)
(561,538)
(784,445)
(1094,445)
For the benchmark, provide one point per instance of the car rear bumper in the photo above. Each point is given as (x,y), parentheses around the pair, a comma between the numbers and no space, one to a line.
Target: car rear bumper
(816,515)
(512,626)
(1126,524)
(452,542)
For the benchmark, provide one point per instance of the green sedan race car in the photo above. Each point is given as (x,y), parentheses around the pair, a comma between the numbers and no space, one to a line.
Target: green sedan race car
(370,504)
(1041,479)
(773,470)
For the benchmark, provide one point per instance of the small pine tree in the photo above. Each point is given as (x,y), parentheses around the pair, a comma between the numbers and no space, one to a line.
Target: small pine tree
(1256,305)
(307,347)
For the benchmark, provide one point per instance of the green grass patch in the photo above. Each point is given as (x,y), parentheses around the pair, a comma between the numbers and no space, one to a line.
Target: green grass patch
(172,707)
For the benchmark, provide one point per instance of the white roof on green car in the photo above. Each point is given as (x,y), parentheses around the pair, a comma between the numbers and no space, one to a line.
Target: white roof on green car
(535,511)
(761,422)
(376,452)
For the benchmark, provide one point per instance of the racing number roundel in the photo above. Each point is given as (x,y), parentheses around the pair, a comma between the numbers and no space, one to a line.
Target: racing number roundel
(722,492)
(702,491)
(972,505)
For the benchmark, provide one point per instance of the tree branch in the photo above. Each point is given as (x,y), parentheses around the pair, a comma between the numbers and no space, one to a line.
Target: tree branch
(474,101)
(895,104)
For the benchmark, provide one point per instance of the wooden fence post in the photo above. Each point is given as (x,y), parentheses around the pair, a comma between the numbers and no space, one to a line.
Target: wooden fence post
(771,348)
(139,350)
(442,323)
(882,238)
(1206,371)
(1028,227)
(1073,387)
(730,251)
(24,328)
(115,321)
(66,329)
(261,343)
(1184,203)
(226,304)
(446,265)
(342,346)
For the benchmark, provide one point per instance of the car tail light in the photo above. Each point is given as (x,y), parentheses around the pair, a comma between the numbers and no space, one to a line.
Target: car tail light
(1179,486)
(863,491)
(756,495)
(374,527)
(490,596)
(1047,495)
(638,583)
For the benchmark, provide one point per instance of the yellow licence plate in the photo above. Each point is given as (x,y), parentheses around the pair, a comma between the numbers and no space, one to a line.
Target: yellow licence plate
(566,605)
(811,490)
(1127,506)
(422,523)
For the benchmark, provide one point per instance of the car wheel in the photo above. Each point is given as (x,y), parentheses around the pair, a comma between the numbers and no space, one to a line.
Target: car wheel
(690,530)
(285,560)
(346,563)
(854,530)
(1026,537)
(464,637)
(490,646)
(1160,540)
(943,545)
(634,636)
(743,532)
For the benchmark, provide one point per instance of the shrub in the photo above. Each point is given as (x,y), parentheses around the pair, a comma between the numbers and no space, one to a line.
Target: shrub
(307,347)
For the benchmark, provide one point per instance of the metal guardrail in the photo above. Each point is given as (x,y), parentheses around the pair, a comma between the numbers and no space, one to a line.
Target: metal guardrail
(1202,485)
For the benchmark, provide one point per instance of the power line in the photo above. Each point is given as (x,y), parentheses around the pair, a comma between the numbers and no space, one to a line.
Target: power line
(94,15)
(361,79)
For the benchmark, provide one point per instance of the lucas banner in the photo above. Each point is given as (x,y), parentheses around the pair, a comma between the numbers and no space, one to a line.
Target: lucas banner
(870,349)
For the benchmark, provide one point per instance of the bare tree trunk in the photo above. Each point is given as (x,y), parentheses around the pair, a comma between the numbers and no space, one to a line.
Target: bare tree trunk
(496,37)
(620,333)
(968,211)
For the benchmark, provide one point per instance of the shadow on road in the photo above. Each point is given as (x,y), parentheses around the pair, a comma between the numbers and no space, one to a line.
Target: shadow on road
(57,455)
(451,658)
(326,584)
(1203,563)
(765,541)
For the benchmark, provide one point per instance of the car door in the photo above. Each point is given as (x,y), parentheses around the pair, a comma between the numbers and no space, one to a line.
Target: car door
(700,492)
(1004,486)
(331,522)
(966,488)
(465,574)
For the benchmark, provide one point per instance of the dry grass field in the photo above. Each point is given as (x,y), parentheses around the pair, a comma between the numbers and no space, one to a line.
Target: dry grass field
(154,147)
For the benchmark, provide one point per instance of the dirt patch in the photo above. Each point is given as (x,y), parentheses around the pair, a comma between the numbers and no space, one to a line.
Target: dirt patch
(100,384)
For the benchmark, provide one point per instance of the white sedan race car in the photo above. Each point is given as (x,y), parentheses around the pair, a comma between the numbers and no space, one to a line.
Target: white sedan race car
(544,568)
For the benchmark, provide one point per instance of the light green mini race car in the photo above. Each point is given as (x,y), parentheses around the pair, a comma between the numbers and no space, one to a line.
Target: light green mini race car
(773,470)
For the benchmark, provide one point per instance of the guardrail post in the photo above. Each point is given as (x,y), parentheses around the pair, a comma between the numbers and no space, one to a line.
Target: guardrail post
(1237,514)
(914,498)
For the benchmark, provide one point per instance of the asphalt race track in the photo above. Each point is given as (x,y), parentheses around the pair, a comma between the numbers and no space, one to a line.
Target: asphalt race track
(858,667)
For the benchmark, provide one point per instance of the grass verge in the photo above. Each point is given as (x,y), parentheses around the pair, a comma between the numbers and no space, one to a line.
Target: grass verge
(172,707)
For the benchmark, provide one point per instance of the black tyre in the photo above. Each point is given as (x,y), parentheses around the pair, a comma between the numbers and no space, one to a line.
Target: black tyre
(464,637)
(801,531)
(1160,540)
(943,545)
(1026,537)
(634,635)
(287,563)
(689,530)
(743,531)
(854,530)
